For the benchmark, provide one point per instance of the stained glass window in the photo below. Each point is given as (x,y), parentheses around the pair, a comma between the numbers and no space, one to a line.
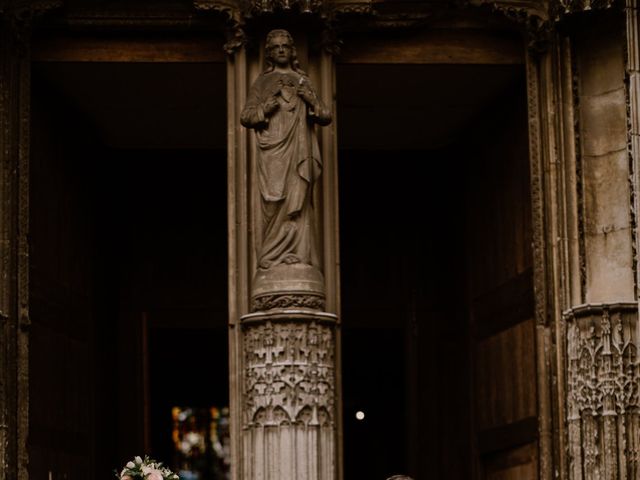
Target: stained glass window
(201,445)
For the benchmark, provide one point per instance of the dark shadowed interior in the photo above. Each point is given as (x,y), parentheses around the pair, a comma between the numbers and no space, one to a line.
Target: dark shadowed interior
(129,261)
(435,262)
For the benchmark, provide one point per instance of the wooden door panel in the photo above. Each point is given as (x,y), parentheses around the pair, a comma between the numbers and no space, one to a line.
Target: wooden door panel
(505,370)
(515,464)
(501,298)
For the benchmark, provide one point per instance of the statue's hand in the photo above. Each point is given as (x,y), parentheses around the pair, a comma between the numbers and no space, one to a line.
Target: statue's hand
(270,105)
(307,95)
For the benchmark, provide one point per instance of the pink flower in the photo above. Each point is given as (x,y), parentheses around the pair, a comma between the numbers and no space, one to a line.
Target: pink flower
(155,475)
(126,477)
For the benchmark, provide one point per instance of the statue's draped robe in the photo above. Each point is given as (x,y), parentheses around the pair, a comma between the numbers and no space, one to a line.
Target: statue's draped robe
(288,164)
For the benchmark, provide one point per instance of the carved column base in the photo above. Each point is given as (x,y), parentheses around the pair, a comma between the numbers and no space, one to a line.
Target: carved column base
(289,452)
(603,387)
(289,396)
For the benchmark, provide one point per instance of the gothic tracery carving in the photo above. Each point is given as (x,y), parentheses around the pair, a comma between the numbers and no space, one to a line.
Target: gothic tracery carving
(289,374)
(603,394)
(602,363)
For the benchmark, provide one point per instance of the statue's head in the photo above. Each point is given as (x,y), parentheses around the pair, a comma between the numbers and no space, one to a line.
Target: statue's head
(280,50)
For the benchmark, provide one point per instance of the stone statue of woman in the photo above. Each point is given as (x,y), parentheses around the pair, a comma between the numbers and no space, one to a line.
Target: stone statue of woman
(283,108)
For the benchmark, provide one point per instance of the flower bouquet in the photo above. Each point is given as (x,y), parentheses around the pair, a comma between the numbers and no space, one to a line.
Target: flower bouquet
(147,469)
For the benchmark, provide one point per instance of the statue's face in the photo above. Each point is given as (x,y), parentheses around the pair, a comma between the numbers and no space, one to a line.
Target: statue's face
(280,50)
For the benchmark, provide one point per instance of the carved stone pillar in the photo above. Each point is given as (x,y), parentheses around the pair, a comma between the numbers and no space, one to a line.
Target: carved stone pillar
(284,302)
(289,421)
(594,256)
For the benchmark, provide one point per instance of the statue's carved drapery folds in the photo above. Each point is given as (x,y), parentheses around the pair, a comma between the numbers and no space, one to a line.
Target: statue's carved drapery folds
(282,108)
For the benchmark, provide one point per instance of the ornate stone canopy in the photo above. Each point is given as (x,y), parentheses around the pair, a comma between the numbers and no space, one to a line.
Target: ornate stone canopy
(408,11)
(535,17)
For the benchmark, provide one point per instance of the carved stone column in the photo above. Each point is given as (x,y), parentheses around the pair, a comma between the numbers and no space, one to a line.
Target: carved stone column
(593,254)
(284,303)
(289,421)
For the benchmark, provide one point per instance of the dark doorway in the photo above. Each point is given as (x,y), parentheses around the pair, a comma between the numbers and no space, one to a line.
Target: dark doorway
(129,249)
(434,205)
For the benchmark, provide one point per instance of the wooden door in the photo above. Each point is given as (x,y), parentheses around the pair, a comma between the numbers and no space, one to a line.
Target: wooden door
(501,300)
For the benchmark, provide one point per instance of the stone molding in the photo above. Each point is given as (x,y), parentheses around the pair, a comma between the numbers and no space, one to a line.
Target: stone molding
(290,300)
(632,84)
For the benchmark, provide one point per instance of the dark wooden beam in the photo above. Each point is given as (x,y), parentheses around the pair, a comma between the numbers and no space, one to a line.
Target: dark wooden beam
(437,46)
(122,49)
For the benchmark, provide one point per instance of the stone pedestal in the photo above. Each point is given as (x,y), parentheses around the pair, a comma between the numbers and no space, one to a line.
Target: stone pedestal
(286,286)
(288,404)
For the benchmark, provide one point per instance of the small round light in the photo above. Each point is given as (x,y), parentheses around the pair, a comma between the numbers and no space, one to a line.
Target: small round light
(359,415)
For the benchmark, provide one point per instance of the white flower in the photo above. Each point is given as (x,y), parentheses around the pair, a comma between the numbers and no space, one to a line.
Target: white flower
(148,469)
